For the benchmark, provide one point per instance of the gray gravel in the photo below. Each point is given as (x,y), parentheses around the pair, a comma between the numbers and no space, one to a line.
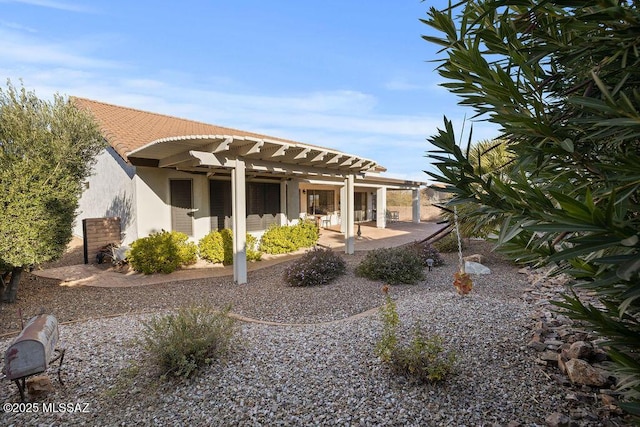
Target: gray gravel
(321,374)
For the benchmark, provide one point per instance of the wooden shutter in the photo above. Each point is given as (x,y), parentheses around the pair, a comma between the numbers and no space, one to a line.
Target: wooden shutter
(181,206)
(220,204)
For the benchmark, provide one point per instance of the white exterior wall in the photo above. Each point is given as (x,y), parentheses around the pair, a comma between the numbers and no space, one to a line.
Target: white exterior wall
(153,202)
(110,192)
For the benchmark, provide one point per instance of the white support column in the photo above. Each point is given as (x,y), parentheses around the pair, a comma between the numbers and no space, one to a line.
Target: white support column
(416,206)
(343,208)
(239,212)
(381,207)
(350,238)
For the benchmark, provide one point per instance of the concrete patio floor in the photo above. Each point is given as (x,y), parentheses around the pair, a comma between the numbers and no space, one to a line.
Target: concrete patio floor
(396,234)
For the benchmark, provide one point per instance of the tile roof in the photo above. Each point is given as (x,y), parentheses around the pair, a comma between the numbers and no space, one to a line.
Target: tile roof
(127,129)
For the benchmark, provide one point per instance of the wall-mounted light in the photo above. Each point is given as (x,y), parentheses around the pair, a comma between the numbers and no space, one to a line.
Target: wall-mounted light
(304,191)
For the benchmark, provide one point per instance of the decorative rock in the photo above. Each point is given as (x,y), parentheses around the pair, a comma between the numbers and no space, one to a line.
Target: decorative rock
(580,372)
(474,258)
(551,357)
(471,267)
(38,385)
(608,400)
(562,360)
(557,420)
(536,344)
(580,350)
(599,355)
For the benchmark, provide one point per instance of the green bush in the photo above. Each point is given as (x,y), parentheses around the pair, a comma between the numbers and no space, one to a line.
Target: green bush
(253,254)
(227,245)
(423,360)
(183,342)
(392,266)
(211,247)
(282,239)
(448,243)
(426,251)
(316,267)
(277,240)
(305,233)
(162,251)
(217,247)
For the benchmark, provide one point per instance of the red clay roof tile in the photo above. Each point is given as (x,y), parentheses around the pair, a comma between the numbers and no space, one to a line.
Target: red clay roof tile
(127,129)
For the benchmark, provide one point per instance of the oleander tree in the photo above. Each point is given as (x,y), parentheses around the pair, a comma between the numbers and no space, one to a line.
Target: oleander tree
(47,149)
(488,157)
(561,79)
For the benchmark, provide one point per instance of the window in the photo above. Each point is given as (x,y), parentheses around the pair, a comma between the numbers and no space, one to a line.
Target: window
(320,202)
(360,205)
(262,204)
(263,198)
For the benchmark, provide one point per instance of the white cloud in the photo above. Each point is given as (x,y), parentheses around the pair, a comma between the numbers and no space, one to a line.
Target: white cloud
(16,26)
(17,48)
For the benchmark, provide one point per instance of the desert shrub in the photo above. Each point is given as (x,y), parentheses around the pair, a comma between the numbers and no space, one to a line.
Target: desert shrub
(426,251)
(277,240)
(211,247)
(448,243)
(183,342)
(253,254)
(390,323)
(217,247)
(316,267)
(162,251)
(227,246)
(282,239)
(423,360)
(392,265)
(305,233)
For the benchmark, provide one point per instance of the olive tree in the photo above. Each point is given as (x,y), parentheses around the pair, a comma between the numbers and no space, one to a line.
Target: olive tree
(47,149)
(561,79)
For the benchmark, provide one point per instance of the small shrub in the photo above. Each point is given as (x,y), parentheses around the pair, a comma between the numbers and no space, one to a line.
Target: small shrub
(305,233)
(282,239)
(390,323)
(217,247)
(423,360)
(162,252)
(392,265)
(227,246)
(448,243)
(426,251)
(183,342)
(211,247)
(277,240)
(316,267)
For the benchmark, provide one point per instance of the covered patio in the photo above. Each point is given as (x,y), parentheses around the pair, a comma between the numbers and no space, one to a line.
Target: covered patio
(372,237)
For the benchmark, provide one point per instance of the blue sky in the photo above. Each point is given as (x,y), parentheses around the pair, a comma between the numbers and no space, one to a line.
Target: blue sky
(350,75)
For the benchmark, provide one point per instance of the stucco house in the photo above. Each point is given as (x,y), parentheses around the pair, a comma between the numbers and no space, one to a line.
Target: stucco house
(161,172)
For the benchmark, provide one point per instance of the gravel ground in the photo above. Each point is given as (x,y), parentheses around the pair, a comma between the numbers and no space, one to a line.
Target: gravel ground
(304,372)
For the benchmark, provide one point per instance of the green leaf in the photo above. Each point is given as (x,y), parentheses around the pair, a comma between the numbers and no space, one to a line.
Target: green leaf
(567,145)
